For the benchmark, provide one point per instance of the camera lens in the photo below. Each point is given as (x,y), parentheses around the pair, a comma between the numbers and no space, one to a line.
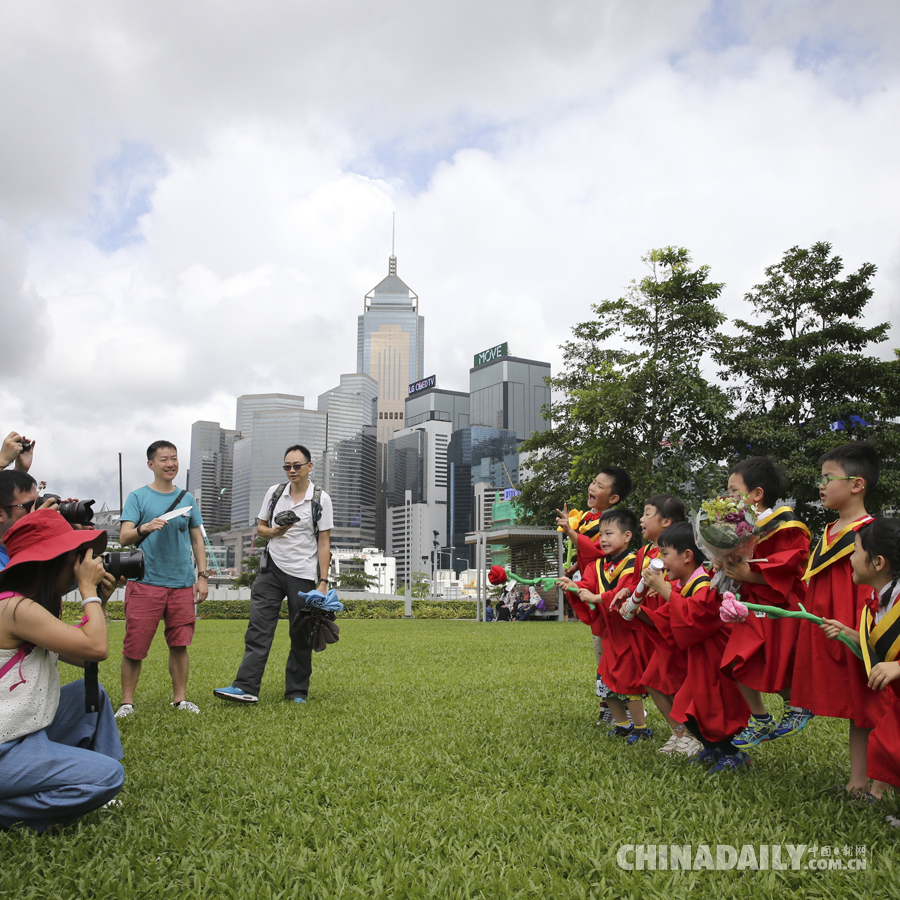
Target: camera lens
(75,512)
(129,564)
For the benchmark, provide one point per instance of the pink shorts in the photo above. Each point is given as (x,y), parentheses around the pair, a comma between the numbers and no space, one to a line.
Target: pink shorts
(145,606)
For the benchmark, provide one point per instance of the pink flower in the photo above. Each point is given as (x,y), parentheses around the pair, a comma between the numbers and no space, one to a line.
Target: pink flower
(732,610)
(743,528)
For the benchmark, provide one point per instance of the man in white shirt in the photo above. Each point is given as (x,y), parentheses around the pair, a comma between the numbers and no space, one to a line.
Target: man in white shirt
(297,559)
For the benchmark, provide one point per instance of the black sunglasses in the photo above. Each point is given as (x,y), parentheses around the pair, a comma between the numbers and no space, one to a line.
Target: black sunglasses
(26,506)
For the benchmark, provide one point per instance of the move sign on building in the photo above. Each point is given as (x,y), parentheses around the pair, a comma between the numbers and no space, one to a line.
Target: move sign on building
(487,356)
(425,384)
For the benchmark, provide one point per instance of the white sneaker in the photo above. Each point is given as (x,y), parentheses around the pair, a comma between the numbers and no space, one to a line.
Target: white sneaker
(669,745)
(126,709)
(186,705)
(688,746)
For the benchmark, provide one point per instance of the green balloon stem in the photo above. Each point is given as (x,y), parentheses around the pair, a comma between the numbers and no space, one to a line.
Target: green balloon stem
(777,613)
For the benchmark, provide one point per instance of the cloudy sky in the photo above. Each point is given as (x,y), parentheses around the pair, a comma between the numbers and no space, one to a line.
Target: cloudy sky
(195,196)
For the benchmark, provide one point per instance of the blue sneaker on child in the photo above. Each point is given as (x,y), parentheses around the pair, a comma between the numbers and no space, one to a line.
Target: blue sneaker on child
(730,763)
(639,734)
(621,731)
(794,720)
(757,731)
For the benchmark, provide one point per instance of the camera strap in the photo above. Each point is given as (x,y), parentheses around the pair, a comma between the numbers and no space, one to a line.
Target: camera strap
(144,537)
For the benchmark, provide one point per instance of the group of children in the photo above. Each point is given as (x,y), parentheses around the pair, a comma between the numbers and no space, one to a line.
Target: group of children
(706,672)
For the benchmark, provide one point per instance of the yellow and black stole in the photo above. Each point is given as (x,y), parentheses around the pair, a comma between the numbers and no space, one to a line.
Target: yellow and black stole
(694,585)
(643,557)
(829,551)
(609,571)
(881,643)
(778,520)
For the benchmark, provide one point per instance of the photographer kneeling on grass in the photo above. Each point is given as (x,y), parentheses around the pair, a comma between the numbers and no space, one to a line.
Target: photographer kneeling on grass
(57,762)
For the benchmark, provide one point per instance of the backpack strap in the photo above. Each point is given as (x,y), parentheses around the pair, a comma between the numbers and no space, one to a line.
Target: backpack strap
(276,496)
(316,514)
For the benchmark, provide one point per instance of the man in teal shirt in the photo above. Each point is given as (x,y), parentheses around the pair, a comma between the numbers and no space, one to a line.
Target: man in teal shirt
(168,590)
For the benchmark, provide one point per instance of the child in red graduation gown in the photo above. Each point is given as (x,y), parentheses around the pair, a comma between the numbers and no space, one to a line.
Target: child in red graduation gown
(875,562)
(620,669)
(709,703)
(828,679)
(760,651)
(611,486)
(664,663)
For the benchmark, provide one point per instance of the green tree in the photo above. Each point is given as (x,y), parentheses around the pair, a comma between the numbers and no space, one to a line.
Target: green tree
(355,581)
(250,565)
(633,393)
(802,377)
(421,586)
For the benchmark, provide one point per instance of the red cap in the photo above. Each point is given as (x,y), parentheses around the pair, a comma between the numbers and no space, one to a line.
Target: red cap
(43,535)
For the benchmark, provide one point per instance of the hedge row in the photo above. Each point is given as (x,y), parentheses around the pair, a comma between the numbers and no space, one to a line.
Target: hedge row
(353,609)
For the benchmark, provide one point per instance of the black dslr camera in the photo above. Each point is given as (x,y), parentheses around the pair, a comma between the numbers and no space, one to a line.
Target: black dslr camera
(286,517)
(128,564)
(75,512)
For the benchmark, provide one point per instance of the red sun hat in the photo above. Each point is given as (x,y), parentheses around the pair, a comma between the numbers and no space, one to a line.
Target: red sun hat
(497,575)
(44,535)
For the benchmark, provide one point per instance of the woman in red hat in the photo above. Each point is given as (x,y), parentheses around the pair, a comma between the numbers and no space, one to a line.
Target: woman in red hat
(57,762)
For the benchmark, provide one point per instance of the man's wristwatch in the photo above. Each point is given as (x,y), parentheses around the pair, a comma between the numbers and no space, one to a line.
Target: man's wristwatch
(203,574)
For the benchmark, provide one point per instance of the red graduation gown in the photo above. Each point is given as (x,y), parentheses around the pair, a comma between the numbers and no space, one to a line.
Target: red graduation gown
(828,679)
(708,694)
(883,748)
(620,666)
(760,651)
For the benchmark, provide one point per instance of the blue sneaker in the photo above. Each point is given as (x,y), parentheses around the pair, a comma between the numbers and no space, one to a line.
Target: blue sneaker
(792,722)
(705,756)
(730,763)
(233,693)
(755,733)
(620,731)
(299,699)
(639,734)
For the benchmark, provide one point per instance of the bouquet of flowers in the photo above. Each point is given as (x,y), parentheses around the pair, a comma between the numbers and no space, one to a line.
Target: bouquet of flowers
(725,530)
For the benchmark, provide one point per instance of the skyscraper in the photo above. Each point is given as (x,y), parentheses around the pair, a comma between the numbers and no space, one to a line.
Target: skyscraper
(509,393)
(273,422)
(391,348)
(210,473)
(349,465)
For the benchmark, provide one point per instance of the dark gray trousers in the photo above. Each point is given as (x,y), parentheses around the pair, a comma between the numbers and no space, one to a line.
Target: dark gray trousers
(265,605)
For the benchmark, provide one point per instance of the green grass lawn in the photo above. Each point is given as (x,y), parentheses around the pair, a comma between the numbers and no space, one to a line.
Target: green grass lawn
(434,759)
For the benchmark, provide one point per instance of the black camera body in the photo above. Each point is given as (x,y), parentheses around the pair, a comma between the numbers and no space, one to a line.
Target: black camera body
(75,512)
(286,517)
(128,564)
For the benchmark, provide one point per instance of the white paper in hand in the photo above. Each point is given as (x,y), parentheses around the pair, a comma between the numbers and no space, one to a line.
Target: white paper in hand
(181,511)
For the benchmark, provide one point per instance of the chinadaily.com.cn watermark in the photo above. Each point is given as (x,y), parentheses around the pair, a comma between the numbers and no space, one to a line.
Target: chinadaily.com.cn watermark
(720,857)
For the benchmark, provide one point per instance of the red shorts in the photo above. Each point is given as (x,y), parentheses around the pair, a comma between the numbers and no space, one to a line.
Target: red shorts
(146,605)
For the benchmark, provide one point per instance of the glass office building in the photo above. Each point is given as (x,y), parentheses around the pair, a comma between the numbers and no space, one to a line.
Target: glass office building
(438,405)
(258,459)
(476,455)
(210,474)
(510,393)
(390,347)
(350,459)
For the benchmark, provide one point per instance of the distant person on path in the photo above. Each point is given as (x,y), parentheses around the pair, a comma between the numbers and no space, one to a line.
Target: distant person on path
(296,559)
(168,589)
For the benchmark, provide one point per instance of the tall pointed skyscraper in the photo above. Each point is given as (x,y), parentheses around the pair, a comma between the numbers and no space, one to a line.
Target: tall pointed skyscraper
(391,348)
